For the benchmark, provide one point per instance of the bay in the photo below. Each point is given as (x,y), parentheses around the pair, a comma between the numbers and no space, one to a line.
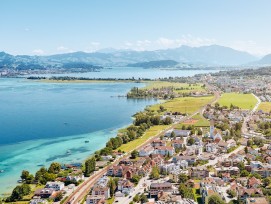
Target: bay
(40,122)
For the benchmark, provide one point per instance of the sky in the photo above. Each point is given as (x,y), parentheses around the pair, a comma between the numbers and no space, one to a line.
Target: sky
(44,27)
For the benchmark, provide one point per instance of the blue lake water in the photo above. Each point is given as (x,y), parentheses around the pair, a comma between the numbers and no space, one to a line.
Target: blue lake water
(39,122)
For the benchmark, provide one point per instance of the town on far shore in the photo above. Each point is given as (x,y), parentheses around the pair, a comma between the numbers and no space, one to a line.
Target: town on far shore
(207,142)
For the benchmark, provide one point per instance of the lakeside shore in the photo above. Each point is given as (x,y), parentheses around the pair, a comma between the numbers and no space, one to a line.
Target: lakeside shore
(153,135)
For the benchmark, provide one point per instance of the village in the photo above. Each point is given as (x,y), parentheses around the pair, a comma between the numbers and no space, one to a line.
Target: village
(185,165)
(212,145)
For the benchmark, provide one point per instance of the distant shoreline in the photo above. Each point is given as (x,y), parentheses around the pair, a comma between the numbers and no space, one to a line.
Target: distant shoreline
(86,80)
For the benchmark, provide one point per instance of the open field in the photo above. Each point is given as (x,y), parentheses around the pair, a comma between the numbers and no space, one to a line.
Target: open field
(198,121)
(182,87)
(244,101)
(265,106)
(184,105)
(154,130)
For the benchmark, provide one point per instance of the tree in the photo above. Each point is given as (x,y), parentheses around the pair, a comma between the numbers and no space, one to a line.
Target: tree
(18,192)
(59,197)
(215,199)
(244,173)
(183,178)
(191,141)
(167,121)
(143,198)
(172,135)
(135,179)
(25,174)
(246,150)
(256,175)
(112,186)
(134,154)
(249,143)
(90,166)
(199,132)
(231,193)
(136,198)
(185,191)
(54,168)
(266,181)
(155,173)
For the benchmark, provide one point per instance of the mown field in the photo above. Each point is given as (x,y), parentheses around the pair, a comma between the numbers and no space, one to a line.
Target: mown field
(184,105)
(181,87)
(265,106)
(153,131)
(244,101)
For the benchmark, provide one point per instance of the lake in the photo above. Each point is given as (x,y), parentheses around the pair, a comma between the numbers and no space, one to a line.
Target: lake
(40,122)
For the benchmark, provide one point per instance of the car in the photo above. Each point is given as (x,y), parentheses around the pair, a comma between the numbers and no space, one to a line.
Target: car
(130,196)
(116,201)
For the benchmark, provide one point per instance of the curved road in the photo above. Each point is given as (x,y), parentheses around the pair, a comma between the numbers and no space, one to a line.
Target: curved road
(84,188)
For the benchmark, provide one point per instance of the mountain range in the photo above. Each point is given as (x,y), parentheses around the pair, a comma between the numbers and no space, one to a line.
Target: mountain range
(213,55)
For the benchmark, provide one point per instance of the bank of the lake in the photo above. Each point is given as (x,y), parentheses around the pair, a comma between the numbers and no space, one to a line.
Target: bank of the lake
(40,122)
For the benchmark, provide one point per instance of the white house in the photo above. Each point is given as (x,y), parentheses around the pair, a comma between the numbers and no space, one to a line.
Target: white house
(146,151)
(57,185)
(178,133)
(125,186)
(164,150)
(211,148)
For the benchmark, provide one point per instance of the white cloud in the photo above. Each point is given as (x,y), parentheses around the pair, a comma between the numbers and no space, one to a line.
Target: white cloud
(26,29)
(38,52)
(93,47)
(165,43)
(251,47)
(62,48)
(95,44)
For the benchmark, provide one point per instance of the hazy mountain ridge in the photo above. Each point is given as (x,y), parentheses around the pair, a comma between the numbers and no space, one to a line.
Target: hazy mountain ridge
(205,55)
(155,64)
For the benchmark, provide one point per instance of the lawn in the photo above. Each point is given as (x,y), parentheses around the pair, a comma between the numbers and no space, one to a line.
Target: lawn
(184,105)
(202,122)
(110,201)
(153,131)
(243,101)
(265,106)
(181,87)
(197,195)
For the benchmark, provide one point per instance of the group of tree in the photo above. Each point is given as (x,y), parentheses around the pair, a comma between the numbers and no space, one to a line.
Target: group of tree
(143,121)
(112,184)
(186,192)
(42,175)
(89,166)
(134,154)
(140,198)
(155,174)
(19,192)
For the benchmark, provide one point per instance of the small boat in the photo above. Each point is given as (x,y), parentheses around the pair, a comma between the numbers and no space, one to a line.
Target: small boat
(68,151)
(86,141)
(2,171)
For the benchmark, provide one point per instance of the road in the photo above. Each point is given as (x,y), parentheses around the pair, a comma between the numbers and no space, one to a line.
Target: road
(85,187)
(222,157)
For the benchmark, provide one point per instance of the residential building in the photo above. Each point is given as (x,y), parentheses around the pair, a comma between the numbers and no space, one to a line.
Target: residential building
(56,185)
(155,188)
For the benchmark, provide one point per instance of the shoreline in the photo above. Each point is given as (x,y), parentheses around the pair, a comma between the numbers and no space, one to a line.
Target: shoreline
(117,129)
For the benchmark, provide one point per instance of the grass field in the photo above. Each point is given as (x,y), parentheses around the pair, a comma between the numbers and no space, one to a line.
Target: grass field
(153,131)
(184,105)
(202,122)
(184,86)
(243,101)
(265,106)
